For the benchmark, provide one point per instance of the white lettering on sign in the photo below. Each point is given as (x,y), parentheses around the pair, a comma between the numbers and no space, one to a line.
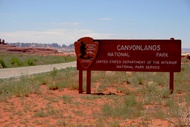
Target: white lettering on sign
(102,61)
(162,54)
(111,54)
(169,62)
(133,62)
(115,61)
(139,67)
(118,54)
(153,67)
(124,67)
(91,46)
(139,47)
(156,62)
(121,54)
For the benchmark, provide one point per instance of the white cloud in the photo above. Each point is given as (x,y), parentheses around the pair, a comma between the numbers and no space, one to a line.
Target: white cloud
(60,36)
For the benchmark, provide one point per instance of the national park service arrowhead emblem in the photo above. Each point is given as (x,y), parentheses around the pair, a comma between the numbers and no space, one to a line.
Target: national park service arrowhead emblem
(86,50)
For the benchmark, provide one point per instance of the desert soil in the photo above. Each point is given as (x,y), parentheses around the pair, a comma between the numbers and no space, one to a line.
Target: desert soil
(62,108)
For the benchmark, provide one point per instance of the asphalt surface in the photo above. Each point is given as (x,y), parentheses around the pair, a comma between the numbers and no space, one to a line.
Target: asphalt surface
(21,71)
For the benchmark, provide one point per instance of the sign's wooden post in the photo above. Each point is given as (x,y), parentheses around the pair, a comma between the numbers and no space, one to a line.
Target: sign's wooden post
(80,81)
(127,55)
(171,82)
(171,78)
(88,85)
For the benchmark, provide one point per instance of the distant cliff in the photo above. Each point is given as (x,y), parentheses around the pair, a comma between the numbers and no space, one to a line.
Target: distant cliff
(186,50)
(39,45)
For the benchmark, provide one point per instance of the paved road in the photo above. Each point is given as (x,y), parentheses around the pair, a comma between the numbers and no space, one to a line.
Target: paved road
(16,72)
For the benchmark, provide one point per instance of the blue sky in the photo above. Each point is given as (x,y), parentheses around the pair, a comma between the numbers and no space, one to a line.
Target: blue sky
(65,21)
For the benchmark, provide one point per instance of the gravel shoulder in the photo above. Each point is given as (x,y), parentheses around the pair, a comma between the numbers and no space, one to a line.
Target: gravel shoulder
(16,72)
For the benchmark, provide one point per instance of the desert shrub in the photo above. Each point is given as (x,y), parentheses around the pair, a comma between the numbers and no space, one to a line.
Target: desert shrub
(66,99)
(16,61)
(127,108)
(54,72)
(187,99)
(185,60)
(53,86)
(30,62)
(59,79)
(20,87)
(2,63)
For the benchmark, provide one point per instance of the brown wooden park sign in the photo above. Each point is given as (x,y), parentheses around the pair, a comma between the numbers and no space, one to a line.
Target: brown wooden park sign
(127,55)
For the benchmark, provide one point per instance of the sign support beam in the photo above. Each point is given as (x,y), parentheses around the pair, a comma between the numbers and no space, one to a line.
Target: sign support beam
(80,80)
(171,82)
(88,85)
